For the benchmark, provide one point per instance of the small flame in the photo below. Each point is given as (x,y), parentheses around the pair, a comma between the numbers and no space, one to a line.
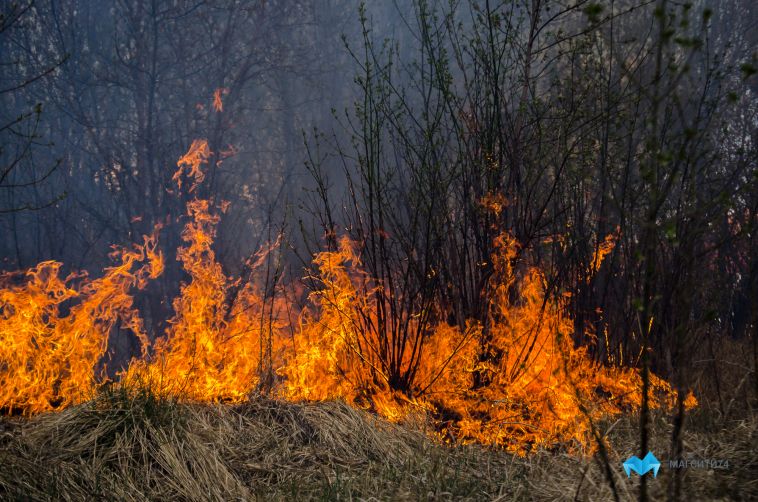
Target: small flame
(494,203)
(218,104)
(190,164)
(604,248)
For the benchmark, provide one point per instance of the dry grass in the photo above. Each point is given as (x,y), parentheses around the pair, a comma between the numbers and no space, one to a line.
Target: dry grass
(565,477)
(134,446)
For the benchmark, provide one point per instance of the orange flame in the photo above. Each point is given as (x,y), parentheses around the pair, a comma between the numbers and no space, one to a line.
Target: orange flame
(53,332)
(540,389)
(218,104)
(209,352)
(514,380)
(604,248)
(191,163)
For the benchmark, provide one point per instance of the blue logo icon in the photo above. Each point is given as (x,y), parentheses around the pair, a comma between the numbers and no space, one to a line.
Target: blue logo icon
(641,467)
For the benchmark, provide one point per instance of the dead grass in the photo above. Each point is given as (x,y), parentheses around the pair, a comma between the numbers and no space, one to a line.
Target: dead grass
(565,477)
(134,446)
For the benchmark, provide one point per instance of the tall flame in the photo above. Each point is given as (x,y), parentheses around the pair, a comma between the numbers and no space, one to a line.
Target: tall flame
(516,380)
(54,331)
(539,388)
(210,349)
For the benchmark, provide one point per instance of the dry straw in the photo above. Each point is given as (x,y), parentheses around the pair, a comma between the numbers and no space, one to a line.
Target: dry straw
(134,446)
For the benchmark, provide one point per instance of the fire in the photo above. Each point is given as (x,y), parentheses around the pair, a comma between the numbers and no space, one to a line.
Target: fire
(604,248)
(54,330)
(515,380)
(218,103)
(538,388)
(191,162)
(210,351)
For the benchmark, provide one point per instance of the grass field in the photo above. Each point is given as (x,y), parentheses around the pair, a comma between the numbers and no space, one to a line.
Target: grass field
(139,447)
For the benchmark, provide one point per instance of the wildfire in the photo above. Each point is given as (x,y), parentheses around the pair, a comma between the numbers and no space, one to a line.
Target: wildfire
(539,388)
(54,331)
(516,381)
(210,349)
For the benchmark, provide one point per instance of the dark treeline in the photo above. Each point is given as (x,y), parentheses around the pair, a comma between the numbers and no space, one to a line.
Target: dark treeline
(625,128)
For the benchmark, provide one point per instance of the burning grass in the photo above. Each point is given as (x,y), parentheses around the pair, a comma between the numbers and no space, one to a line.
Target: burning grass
(137,446)
(513,380)
(540,390)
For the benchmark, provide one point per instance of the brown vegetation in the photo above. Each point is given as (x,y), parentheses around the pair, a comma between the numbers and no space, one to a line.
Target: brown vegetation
(134,446)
